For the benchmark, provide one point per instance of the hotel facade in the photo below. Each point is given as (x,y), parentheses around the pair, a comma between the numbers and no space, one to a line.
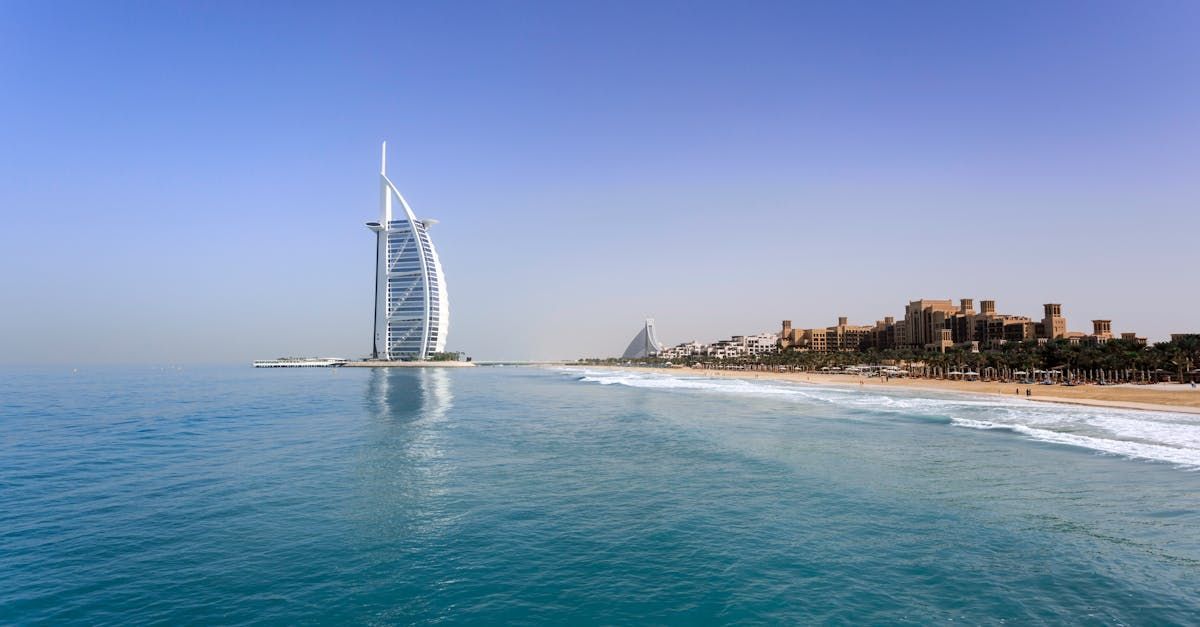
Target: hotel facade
(939,325)
(412,312)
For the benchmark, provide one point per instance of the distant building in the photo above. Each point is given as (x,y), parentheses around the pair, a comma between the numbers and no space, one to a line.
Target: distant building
(760,344)
(1101,332)
(1133,338)
(412,311)
(683,351)
(883,334)
(943,339)
(743,346)
(1054,325)
(644,344)
(923,321)
(789,337)
(735,347)
(930,324)
(986,328)
(838,338)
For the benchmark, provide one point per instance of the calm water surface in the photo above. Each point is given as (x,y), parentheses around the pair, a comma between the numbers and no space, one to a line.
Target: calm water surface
(494,495)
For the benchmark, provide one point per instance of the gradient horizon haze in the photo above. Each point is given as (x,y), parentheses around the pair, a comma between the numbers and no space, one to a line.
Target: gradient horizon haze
(188,182)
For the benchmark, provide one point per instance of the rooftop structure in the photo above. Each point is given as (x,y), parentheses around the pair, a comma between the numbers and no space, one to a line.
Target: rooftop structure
(1054,325)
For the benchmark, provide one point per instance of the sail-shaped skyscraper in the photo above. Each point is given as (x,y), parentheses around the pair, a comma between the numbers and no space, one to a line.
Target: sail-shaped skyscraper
(644,344)
(412,312)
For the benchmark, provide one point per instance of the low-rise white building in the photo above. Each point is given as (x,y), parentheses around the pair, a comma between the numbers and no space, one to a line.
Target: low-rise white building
(681,351)
(761,344)
(735,347)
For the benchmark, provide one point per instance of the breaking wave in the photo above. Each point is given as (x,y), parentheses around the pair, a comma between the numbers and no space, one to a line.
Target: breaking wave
(1160,436)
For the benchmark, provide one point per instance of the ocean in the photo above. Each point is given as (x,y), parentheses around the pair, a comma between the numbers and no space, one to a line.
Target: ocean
(495,495)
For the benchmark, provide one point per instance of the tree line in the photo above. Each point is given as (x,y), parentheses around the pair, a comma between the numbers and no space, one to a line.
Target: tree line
(1179,358)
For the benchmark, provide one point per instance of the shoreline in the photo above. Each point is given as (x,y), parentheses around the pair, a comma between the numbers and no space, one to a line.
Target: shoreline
(1185,400)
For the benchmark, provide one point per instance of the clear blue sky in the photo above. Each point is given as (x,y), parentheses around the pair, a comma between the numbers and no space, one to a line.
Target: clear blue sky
(187,182)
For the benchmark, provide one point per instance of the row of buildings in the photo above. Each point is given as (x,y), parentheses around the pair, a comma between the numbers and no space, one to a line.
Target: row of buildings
(940,324)
(927,324)
(736,346)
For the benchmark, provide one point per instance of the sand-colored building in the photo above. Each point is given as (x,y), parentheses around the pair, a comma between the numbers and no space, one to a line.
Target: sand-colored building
(1054,325)
(924,321)
(841,337)
(933,324)
(1134,338)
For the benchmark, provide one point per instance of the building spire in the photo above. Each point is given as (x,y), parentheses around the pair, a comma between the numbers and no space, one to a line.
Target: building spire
(383,160)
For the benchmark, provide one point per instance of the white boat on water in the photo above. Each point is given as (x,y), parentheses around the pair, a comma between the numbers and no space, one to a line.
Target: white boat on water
(300,362)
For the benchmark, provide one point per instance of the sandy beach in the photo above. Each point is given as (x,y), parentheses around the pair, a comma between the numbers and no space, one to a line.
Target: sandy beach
(1157,397)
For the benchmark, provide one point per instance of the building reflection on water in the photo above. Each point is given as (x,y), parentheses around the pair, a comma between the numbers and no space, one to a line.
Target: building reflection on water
(404,472)
(406,394)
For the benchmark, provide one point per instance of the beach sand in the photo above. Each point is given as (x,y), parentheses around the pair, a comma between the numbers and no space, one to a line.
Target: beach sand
(1157,397)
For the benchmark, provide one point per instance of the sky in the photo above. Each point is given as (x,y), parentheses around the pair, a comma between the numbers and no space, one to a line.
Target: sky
(187,182)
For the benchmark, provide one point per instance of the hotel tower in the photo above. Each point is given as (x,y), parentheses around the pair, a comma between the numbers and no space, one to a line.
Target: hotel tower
(411,309)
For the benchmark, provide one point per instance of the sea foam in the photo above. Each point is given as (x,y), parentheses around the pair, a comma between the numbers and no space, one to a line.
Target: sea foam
(1159,436)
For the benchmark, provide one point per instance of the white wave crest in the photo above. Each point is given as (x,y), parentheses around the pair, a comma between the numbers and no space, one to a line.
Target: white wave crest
(1161,436)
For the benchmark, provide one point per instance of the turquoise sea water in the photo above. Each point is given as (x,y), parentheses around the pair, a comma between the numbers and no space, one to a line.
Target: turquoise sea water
(497,495)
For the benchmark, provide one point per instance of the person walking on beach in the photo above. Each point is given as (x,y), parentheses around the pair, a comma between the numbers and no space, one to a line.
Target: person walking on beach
(1028,392)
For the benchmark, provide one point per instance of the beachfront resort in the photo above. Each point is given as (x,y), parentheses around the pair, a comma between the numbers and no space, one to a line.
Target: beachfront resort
(941,339)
